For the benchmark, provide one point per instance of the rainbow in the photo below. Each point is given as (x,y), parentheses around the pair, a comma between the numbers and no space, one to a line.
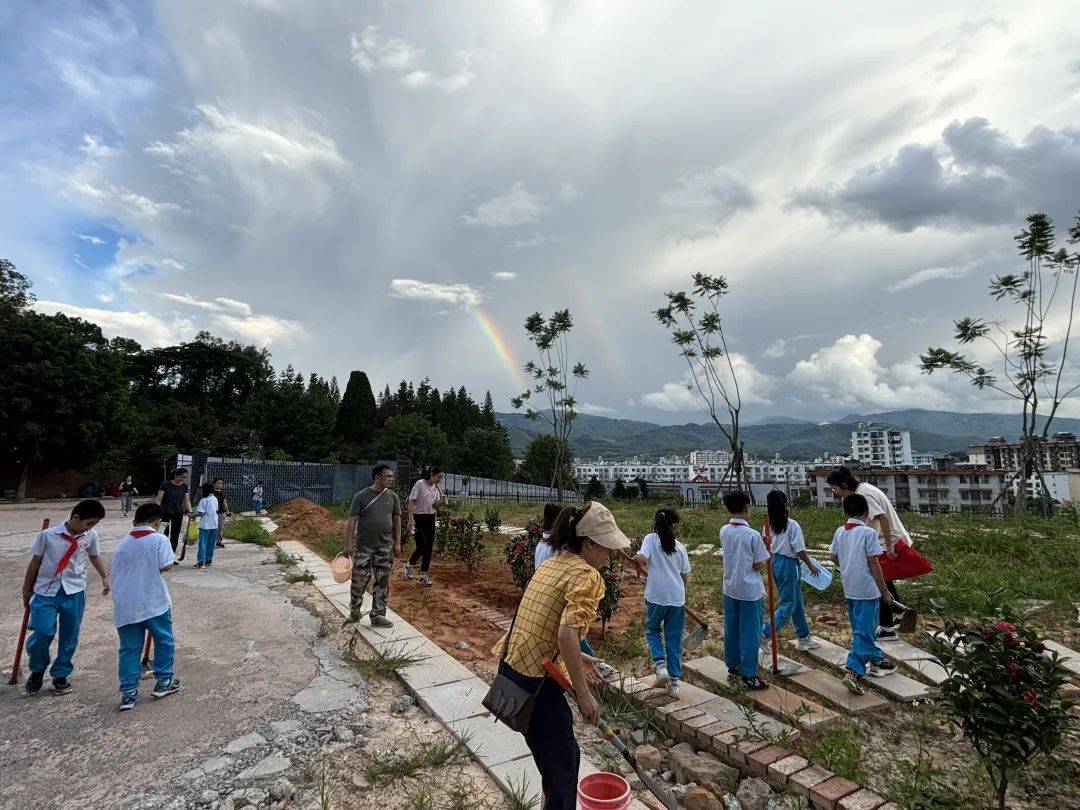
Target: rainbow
(498,342)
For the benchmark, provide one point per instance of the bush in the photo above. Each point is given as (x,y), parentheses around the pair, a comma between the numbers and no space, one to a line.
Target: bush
(462,537)
(521,553)
(492,519)
(1003,693)
(247,530)
(612,576)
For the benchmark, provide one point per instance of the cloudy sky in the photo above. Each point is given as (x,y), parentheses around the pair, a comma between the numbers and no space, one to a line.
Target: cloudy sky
(395,186)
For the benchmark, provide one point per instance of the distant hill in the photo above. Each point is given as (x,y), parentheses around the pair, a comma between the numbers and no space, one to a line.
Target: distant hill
(931,431)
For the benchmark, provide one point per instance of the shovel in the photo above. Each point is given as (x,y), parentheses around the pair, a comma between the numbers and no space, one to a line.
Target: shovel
(662,794)
(694,637)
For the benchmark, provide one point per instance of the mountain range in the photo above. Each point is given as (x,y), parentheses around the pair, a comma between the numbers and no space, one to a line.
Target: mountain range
(931,431)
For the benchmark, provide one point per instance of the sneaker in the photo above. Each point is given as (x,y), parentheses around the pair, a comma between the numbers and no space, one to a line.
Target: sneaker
(425,580)
(733,674)
(853,683)
(219,545)
(673,688)
(208,563)
(34,682)
(408,571)
(380,621)
(880,669)
(755,684)
(806,644)
(887,634)
(198,565)
(662,677)
(128,700)
(166,687)
(61,685)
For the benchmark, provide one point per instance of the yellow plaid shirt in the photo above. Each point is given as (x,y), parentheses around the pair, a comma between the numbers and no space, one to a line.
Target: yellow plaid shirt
(565,590)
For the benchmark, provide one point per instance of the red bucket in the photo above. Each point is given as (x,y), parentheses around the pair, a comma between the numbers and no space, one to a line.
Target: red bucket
(603,791)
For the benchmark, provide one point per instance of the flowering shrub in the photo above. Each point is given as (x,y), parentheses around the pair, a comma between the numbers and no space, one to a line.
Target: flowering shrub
(521,552)
(492,519)
(461,536)
(1003,693)
(612,575)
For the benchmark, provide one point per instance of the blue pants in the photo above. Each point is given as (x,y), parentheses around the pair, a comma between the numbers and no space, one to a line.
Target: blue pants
(587,648)
(664,630)
(45,613)
(863,614)
(789,587)
(742,634)
(132,637)
(207,539)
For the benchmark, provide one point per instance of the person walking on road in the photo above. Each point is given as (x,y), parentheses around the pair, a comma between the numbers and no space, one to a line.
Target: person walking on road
(127,490)
(222,512)
(423,501)
(174,498)
(372,538)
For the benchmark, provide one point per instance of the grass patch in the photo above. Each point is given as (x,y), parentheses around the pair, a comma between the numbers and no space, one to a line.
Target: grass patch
(619,709)
(437,754)
(838,749)
(340,509)
(326,547)
(520,797)
(285,558)
(248,530)
(385,664)
(300,575)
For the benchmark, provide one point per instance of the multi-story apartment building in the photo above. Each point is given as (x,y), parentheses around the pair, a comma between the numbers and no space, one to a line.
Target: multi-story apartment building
(926,490)
(1057,453)
(705,458)
(609,472)
(881,445)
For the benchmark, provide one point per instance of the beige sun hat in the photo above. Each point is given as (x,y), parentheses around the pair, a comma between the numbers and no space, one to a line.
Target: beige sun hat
(598,524)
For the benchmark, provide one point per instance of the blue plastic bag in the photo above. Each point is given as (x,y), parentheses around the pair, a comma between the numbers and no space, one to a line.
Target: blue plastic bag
(820,582)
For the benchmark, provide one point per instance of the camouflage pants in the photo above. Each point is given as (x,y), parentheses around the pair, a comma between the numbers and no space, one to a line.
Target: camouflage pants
(369,563)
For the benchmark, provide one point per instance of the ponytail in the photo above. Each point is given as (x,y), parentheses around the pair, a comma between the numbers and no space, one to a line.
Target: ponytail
(776,506)
(564,532)
(551,513)
(664,523)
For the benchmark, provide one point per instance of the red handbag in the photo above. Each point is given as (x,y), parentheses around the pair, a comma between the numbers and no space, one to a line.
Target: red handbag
(908,563)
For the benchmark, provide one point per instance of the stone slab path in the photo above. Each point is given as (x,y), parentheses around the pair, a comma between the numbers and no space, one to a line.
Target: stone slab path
(896,686)
(921,661)
(1071,658)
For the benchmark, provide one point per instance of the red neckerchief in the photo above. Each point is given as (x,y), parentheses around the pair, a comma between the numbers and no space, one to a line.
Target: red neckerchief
(738,522)
(142,533)
(67,554)
(851,524)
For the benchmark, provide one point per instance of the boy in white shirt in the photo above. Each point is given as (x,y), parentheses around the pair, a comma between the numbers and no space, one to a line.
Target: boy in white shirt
(745,556)
(141,605)
(207,510)
(855,549)
(55,591)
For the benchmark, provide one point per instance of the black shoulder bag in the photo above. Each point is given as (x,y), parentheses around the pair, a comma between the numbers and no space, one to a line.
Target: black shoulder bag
(508,701)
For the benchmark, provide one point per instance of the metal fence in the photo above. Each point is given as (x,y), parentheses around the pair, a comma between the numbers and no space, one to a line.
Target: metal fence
(470,488)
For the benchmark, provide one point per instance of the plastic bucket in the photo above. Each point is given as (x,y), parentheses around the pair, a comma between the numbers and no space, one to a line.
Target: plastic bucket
(603,791)
(341,568)
(820,582)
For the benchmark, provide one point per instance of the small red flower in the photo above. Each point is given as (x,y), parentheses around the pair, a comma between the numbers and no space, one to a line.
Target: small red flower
(1004,626)
(1014,671)
(519,549)
(1012,640)
(1031,697)
(1038,647)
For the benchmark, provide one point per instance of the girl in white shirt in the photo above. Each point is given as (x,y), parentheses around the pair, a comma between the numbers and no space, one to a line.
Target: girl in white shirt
(544,549)
(207,510)
(788,547)
(668,570)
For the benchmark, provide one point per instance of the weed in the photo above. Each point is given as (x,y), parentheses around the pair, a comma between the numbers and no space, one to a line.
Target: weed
(421,800)
(757,730)
(838,749)
(520,797)
(309,772)
(300,575)
(324,791)
(619,709)
(285,558)
(435,754)
(625,648)
(326,547)
(492,519)
(248,530)
(384,664)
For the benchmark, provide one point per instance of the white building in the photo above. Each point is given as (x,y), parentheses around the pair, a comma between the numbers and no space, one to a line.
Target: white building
(881,445)
(609,472)
(1057,484)
(705,458)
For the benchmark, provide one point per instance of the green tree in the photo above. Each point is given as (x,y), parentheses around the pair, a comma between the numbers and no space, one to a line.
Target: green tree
(356,416)
(414,438)
(543,458)
(594,490)
(487,412)
(619,492)
(484,453)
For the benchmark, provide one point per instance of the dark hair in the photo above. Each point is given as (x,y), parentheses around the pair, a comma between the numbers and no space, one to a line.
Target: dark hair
(259,481)
(147,513)
(551,512)
(736,501)
(378,470)
(855,505)
(664,522)
(842,477)
(776,506)
(564,532)
(428,472)
(222,480)
(178,471)
(88,509)
(207,489)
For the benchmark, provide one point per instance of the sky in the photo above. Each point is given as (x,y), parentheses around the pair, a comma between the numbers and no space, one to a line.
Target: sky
(396,186)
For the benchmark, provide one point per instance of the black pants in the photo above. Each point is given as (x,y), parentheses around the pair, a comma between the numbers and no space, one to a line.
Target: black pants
(174,526)
(551,740)
(425,540)
(885,614)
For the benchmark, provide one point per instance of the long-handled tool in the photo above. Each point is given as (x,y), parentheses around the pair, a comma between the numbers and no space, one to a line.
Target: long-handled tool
(22,631)
(696,636)
(767,536)
(661,793)
(184,540)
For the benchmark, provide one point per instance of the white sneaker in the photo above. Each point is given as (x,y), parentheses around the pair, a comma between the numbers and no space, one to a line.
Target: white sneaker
(806,644)
(662,677)
(673,688)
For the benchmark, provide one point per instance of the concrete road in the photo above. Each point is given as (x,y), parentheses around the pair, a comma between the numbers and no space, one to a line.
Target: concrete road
(243,651)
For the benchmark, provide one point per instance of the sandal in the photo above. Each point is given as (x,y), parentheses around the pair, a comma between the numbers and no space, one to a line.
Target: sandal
(755,684)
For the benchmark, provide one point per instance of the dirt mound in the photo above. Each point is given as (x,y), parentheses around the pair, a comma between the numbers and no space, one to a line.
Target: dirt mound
(303,520)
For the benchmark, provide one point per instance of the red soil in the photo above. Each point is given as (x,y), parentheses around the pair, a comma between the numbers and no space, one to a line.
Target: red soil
(300,519)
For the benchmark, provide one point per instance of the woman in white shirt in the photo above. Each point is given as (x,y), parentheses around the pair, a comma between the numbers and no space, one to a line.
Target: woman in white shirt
(668,571)
(788,547)
(424,499)
(544,549)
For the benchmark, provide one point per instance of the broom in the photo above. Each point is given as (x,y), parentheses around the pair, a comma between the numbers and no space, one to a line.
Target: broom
(696,636)
(22,631)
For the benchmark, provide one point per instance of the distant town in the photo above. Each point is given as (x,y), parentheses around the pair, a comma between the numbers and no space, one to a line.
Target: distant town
(928,482)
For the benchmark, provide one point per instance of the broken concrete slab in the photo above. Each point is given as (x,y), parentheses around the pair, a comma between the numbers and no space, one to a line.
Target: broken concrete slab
(1070,658)
(454,701)
(266,767)
(328,694)
(252,740)
(896,686)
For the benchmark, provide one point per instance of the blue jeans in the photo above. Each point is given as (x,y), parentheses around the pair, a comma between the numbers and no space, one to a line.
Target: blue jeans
(132,637)
(587,648)
(45,613)
(664,629)
(742,634)
(789,586)
(863,614)
(207,538)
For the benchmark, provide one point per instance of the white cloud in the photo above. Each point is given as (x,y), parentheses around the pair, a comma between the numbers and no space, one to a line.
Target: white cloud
(755,388)
(516,207)
(93,240)
(238,318)
(372,51)
(93,147)
(536,240)
(593,410)
(105,298)
(116,200)
(673,396)
(706,201)
(462,295)
(778,348)
(504,275)
(929,274)
(146,329)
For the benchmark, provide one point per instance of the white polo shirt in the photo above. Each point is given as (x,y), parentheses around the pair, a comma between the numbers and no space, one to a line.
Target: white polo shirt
(880,504)
(852,544)
(743,547)
(138,588)
(208,508)
(790,541)
(664,584)
(51,546)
